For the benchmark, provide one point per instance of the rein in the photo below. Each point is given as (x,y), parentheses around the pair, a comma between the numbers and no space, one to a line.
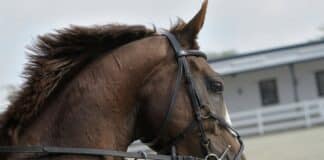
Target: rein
(196,103)
(51,150)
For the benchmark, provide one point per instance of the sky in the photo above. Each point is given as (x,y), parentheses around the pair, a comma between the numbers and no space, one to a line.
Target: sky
(244,26)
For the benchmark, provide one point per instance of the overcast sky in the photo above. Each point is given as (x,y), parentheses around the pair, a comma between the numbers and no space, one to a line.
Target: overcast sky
(243,25)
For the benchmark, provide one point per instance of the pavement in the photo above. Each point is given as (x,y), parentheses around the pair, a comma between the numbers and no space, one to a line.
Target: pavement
(302,144)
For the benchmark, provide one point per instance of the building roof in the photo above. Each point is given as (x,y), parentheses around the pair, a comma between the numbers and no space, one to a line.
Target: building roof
(269,58)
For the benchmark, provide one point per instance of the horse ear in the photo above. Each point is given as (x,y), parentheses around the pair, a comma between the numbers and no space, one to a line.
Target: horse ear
(193,27)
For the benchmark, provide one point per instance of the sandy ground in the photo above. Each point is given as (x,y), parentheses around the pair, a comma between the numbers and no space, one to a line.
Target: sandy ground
(303,144)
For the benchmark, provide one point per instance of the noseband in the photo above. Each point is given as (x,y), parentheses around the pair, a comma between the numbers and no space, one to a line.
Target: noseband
(196,104)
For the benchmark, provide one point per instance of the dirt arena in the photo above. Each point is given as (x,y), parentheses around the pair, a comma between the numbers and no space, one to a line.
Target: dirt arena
(302,144)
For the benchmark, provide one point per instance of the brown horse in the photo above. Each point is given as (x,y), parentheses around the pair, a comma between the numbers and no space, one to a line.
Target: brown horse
(106,86)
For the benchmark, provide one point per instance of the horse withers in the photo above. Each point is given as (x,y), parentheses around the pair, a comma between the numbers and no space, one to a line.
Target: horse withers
(107,86)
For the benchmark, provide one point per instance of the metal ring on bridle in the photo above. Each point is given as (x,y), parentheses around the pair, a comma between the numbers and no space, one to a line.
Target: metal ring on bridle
(211,155)
(144,154)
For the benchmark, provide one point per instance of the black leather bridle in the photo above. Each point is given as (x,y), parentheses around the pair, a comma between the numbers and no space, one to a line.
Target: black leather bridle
(196,103)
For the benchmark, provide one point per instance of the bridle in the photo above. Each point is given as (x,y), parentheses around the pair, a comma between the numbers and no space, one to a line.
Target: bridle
(196,103)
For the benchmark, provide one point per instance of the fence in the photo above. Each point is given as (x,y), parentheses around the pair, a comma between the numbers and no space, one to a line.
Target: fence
(276,118)
(272,119)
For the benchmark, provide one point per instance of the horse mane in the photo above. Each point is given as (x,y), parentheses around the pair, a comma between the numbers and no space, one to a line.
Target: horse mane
(55,58)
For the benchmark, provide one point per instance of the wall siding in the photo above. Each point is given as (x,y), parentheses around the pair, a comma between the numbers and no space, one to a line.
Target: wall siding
(305,73)
(248,82)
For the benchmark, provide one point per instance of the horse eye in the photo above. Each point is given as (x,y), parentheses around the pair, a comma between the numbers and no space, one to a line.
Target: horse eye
(216,87)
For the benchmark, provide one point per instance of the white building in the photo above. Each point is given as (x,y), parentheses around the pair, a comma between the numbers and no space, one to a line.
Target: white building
(275,89)
(273,77)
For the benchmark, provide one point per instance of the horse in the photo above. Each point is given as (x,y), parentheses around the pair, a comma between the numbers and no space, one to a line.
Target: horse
(106,86)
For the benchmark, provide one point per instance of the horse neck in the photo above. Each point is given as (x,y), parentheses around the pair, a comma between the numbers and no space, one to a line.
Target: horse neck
(98,108)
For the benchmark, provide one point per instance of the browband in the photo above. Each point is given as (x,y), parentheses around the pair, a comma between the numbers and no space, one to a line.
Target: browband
(179,52)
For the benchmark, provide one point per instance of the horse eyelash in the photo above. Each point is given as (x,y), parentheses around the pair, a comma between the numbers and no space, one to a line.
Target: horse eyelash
(214,86)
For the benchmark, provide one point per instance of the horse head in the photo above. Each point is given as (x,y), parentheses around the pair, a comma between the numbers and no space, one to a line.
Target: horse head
(168,115)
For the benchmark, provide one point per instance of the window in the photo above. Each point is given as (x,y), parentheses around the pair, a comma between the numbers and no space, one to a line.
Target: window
(268,91)
(320,82)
